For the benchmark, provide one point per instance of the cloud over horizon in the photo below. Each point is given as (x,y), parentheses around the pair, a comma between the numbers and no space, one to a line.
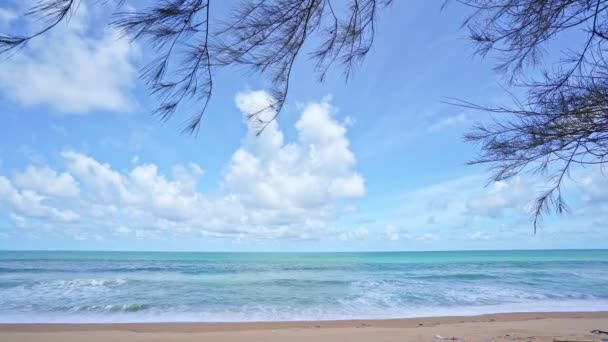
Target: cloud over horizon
(270,188)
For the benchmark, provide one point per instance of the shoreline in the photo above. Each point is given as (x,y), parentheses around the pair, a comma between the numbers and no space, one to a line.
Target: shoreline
(173,317)
(530,326)
(408,322)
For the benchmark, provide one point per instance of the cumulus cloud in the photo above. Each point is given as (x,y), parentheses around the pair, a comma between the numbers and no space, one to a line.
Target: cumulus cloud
(315,170)
(46,181)
(270,188)
(76,73)
(31,204)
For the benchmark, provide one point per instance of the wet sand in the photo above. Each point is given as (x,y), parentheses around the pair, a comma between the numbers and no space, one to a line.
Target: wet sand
(534,327)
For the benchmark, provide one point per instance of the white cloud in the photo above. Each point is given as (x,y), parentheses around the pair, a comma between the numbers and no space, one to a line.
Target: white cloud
(270,188)
(29,204)
(356,234)
(463,209)
(142,189)
(394,233)
(443,203)
(72,71)
(106,183)
(501,195)
(464,202)
(315,170)
(18,220)
(46,181)
(479,236)
(594,187)
(448,122)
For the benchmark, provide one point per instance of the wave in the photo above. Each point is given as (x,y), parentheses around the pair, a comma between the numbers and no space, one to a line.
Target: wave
(457,276)
(111,308)
(75,283)
(135,313)
(235,288)
(52,289)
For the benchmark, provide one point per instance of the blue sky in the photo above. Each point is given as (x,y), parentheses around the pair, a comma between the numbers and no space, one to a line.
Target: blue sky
(375,163)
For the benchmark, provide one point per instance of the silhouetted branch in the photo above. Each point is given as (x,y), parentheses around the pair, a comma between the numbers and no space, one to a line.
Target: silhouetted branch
(51,12)
(265,35)
(564,121)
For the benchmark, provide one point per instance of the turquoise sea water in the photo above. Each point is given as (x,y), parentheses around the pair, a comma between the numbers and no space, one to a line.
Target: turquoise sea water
(168,287)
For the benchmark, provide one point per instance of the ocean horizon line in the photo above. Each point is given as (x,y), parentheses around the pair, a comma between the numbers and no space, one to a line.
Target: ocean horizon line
(305,251)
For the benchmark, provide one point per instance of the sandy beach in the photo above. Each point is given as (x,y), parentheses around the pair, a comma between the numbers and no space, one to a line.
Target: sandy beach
(575,326)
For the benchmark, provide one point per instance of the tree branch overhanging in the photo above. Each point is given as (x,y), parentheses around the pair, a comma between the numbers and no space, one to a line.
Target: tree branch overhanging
(564,120)
(267,36)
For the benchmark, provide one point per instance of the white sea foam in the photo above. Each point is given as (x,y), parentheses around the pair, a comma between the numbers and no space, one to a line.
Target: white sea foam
(318,287)
(126,313)
(79,283)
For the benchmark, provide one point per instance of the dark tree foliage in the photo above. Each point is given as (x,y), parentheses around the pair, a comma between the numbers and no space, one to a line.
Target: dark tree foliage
(564,119)
(265,35)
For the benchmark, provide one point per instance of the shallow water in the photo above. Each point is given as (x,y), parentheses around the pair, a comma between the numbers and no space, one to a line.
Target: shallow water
(163,287)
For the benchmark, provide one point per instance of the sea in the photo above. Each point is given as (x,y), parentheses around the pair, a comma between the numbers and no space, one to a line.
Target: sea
(74,287)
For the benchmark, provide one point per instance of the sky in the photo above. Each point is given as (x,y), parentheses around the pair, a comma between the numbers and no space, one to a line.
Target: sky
(369,164)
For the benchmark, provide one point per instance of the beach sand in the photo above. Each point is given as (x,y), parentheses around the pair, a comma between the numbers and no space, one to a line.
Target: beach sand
(534,327)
